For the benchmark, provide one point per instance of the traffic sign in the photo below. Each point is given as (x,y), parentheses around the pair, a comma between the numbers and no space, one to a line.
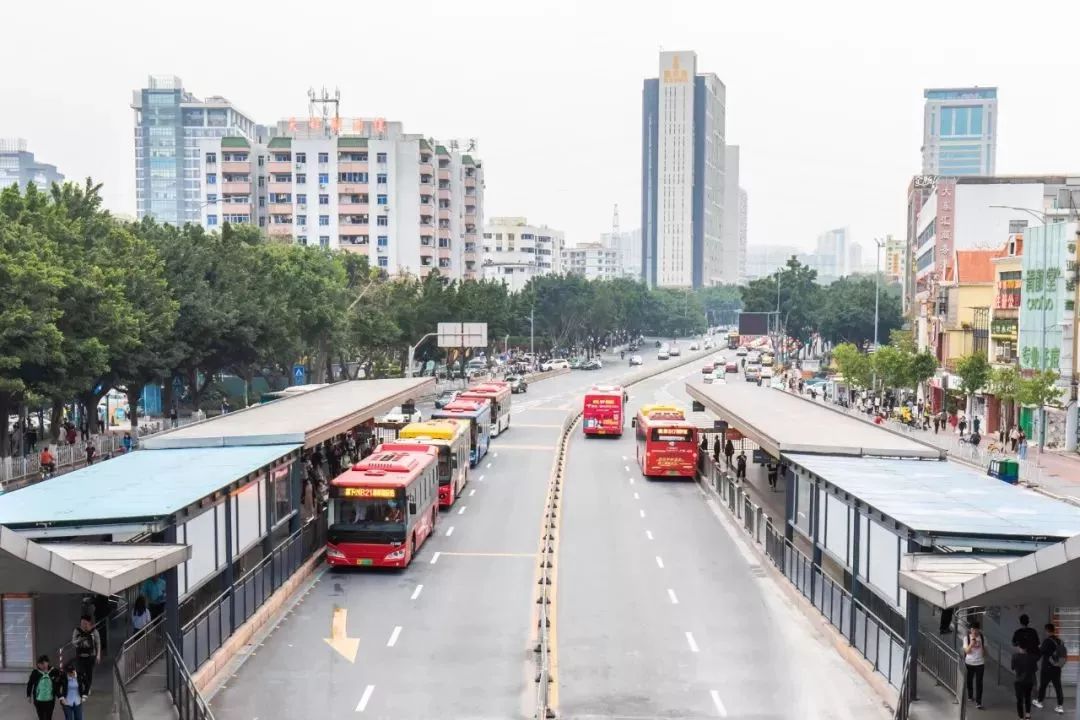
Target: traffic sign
(299,375)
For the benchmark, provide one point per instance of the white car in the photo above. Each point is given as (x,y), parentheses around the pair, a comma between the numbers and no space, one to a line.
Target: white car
(397,416)
(636,360)
(675,351)
(663,354)
(754,358)
(693,346)
(741,351)
(555,364)
(767,372)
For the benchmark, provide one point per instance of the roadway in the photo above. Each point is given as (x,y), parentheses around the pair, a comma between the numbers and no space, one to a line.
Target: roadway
(448,637)
(662,610)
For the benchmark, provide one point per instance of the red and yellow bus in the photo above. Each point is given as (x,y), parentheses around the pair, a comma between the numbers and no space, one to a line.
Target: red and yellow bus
(497,393)
(451,439)
(603,413)
(383,508)
(667,445)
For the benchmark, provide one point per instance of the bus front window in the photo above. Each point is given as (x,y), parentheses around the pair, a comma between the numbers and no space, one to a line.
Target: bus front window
(369,514)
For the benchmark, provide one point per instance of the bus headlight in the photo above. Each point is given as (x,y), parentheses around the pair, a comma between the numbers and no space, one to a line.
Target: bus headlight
(396,555)
(334,553)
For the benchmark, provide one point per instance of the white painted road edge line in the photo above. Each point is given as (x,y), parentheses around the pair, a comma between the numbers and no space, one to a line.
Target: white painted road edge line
(648,534)
(462,510)
(659,562)
(397,633)
(435,558)
(450,531)
(671,594)
(718,703)
(472,492)
(365,698)
(691,642)
(416,592)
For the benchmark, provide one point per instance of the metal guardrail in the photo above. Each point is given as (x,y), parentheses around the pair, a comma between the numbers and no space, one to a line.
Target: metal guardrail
(121,702)
(187,700)
(903,702)
(141,650)
(942,662)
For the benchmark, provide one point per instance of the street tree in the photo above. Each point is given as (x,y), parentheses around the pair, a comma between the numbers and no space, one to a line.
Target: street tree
(854,365)
(1039,390)
(1005,386)
(974,373)
(800,298)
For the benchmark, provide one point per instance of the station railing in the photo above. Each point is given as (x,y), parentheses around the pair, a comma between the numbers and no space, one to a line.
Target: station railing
(141,650)
(187,699)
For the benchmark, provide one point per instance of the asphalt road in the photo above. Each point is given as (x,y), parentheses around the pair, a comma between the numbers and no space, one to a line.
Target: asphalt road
(448,637)
(663,613)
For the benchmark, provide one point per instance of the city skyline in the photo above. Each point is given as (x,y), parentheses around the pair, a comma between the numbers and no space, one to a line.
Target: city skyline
(85,127)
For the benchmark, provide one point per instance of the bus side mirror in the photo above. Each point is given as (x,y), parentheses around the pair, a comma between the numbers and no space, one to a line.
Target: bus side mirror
(633,422)
(412,508)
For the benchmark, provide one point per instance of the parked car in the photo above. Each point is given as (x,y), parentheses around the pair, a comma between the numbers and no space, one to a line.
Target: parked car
(398,416)
(752,373)
(731,367)
(555,364)
(766,359)
(445,398)
(517,383)
(754,358)
(593,364)
(708,345)
(636,360)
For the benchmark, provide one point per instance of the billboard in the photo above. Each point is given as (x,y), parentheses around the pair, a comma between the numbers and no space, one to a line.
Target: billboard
(753,323)
(463,335)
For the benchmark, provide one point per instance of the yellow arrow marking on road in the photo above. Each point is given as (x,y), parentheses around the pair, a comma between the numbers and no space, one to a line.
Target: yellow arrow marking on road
(339,639)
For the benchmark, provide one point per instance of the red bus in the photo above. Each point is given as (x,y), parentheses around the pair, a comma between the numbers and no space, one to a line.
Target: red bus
(667,445)
(603,414)
(451,437)
(384,507)
(497,393)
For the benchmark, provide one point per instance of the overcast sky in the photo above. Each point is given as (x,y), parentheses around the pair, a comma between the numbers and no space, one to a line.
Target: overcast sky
(824,98)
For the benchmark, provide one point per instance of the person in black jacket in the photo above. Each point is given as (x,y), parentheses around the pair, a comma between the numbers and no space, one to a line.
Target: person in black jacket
(43,688)
(1026,637)
(1053,655)
(1024,664)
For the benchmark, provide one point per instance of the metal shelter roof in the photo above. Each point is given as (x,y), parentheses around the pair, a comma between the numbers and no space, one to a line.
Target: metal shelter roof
(942,498)
(962,579)
(106,568)
(307,418)
(781,422)
(138,487)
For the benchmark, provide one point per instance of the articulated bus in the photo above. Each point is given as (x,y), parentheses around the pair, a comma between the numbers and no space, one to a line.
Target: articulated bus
(451,439)
(478,413)
(666,442)
(603,412)
(384,507)
(498,393)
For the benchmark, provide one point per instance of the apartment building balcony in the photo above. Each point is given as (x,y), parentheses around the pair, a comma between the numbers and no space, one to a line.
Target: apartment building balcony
(355,249)
(470,247)
(444,193)
(444,174)
(427,260)
(427,241)
(280,230)
(427,200)
(279,166)
(352,188)
(426,179)
(238,167)
(426,168)
(353,237)
(353,207)
(470,223)
(279,209)
(243,188)
(427,221)
(349,220)
(444,213)
(352,166)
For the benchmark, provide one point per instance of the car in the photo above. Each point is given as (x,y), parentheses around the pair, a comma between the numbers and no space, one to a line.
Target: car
(741,351)
(731,367)
(767,372)
(593,364)
(398,416)
(766,360)
(708,379)
(517,383)
(708,368)
(752,373)
(693,346)
(555,364)
(675,351)
(719,377)
(708,345)
(445,398)
(636,360)
(662,355)
(754,357)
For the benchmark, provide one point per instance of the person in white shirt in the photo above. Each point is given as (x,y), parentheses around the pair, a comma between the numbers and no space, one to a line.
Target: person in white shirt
(140,615)
(974,663)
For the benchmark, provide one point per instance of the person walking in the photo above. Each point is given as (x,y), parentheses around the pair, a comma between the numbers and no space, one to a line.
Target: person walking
(1026,637)
(43,687)
(1023,665)
(174,419)
(729,451)
(73,693)
(1022,445)
(974,664)
(975,424)
(91,451)
(1014,438)
(140,615)
(87,644)
(962,425)
(716,450)
(740,466)
(1054,656)
(154,591)
(127,442)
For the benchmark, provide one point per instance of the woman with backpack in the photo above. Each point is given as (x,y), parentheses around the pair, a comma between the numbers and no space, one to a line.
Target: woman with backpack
(1054,656)
(974,664)
(43,687)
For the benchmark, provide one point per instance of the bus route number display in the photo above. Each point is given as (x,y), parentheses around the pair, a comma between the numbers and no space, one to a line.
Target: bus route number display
(365,492)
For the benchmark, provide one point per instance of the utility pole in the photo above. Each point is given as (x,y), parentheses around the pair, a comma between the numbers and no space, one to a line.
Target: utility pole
(878,242)
(532,333)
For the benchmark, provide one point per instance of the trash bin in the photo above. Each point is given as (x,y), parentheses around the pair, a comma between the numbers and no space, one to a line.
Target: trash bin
(1005,470)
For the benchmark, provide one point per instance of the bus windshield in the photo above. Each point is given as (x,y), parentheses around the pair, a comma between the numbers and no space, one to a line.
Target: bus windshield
(369,514)
(445,467)
(672,434)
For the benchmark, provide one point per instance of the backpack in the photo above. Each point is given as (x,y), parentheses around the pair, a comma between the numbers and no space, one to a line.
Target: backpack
(1061,654)
(84,643)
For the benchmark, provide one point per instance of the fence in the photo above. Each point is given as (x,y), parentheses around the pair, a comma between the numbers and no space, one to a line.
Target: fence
(941,661)
(214,624)
(121,703)
(141,650)
(186,698)
(903,702)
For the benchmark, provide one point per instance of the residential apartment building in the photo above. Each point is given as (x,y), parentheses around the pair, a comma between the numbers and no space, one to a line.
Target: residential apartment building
(593,261)
(959,131)
(628,244)
(1005,326)
(514,251)
(411,205)
(733,230)
(895,262)
(744,217)
(19,167)
(682,167)
(170,125)
(833,257)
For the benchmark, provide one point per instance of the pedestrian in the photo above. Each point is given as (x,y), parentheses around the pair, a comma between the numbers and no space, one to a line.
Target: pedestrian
(84,428)
(1014,438)
(154,591)
(174,419)
(962,425)
(974,664)
(1054,656)
(1026,637)
(1023,666)
(937,424)
(140,615)
(773,473)
(74,692)
(1022,445)
(43,687)
(953,420)
(87,644)
(127,442)
(975,423)
(729,451)
(704,444)
(740,466)
(70,433)
(225,407)
(91,451)
(716,450)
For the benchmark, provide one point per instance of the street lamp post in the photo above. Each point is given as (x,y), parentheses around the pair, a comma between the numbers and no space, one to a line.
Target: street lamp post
(878,242)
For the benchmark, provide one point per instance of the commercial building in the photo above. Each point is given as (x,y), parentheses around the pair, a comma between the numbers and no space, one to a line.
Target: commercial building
(19,167)
(169,125)
(1005,326)
(744,217)
(593,261)
(682,169)
(733,230)
(959,131)
(514,251)
(360,185)
(833,257)
(895,260)
(627,243)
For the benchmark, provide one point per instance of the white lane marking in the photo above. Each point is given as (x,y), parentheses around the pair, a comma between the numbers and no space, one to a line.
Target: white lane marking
(480,479)
(624,458)
(488,466)
(494,454)
(462,510)
(435,558)
(472,492)
(627,467)
(416,592)
(365,698)
(671,594)
(648,534)
(636,496)
(691,642)
(642,513)
(450,531)
(631,481)
(397,633)
(718,703)
(659,562)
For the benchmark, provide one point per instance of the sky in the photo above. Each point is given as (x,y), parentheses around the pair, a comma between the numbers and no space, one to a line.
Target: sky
(825,99)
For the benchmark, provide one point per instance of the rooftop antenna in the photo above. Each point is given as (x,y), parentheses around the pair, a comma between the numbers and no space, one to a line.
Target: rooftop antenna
(615,225)
(319,106)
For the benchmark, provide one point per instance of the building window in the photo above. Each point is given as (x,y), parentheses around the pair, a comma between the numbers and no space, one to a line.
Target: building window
(324,220)
(324,157)
(324,178)
(211,178)
(301,239)
(380,158)
(381,178)
(384,261)
(301,179)
(211,198)
(382,221)
(324,199)
(384,240)
(301,198)
(211,158)
(301,219)
(381,199)
(301,158)
(324,241)
(211,220)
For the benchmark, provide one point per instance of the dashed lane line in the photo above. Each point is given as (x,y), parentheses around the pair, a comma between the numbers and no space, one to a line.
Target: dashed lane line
(450,531)
(671,595)
(435,558)
(659,562)
(365,698)
(720,709)
(416,592)
(691,642)
(394,636)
